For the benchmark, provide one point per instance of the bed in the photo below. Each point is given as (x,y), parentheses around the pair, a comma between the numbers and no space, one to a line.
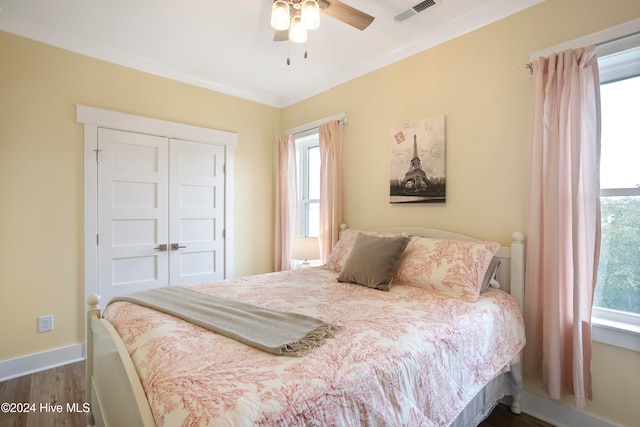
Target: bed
(424,352)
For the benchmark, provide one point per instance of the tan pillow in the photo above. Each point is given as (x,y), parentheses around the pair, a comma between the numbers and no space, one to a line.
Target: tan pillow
(342,249)
(373,261)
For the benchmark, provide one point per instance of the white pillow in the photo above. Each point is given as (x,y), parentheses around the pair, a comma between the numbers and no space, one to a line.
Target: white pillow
(455,268)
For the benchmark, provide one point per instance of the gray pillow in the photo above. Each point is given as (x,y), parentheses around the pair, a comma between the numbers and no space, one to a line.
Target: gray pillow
(373,261)
(490,274)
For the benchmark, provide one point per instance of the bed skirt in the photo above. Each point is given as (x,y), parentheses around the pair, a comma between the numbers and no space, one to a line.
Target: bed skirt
(508,383)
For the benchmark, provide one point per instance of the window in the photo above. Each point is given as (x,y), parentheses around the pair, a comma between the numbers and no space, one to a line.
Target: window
(308,158)
(617,296)
(307,138)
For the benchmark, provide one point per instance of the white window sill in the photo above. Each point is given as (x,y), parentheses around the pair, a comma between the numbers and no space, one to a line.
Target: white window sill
(616,333)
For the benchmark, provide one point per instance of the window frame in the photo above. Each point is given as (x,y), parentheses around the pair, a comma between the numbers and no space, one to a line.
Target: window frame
(304,141)
(618,60)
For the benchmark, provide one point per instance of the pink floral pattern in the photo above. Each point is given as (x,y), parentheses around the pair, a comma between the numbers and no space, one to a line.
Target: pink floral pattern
(409,356)
(454,268)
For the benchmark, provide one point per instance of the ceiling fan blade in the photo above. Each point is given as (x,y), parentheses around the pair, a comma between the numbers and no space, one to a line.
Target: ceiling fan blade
(346,14)
(281,36)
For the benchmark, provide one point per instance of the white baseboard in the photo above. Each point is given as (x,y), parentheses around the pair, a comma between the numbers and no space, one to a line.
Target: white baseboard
(558,414)
(37,362)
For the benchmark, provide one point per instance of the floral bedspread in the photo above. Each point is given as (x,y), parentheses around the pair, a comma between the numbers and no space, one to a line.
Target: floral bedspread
(404,357)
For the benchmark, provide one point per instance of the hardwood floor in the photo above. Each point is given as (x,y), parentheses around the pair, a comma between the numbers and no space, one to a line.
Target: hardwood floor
(503,417)
(62,389)
(41,394)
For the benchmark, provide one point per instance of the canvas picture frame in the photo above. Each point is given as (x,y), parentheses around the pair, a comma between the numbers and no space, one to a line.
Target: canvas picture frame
(418,161)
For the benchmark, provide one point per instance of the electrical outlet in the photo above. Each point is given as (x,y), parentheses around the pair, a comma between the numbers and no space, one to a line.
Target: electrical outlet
(45,323)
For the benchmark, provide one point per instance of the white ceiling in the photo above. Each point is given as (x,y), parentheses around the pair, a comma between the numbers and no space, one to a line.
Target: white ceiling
(227,45)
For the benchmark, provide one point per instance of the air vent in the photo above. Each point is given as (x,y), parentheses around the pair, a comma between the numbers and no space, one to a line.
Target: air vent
(414,10)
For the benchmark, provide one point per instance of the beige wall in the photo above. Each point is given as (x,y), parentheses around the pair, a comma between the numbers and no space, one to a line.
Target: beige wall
(41,178)
(475,81)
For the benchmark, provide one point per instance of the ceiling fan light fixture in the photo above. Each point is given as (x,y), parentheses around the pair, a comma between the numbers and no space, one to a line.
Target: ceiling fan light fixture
(297,30)
(280,17)
(310,13)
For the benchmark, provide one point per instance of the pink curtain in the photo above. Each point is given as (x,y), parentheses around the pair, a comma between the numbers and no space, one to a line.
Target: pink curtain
(330,187)
(564,223)
(286,199)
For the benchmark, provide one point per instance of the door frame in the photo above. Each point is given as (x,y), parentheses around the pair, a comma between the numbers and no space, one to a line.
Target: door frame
(93,118)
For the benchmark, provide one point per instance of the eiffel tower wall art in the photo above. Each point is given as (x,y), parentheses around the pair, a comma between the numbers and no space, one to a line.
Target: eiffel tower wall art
(418,162)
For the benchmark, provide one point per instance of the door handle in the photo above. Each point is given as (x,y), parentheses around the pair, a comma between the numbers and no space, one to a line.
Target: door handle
(162,247)
(176,246)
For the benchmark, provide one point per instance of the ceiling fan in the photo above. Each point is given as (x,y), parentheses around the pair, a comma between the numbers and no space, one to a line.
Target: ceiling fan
(333,8)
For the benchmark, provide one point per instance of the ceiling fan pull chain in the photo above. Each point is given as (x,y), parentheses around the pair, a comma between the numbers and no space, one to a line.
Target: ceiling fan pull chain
(305,50)
(288,52)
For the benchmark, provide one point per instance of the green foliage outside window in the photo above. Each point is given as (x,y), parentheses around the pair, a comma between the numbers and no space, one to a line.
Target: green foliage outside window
(618,285)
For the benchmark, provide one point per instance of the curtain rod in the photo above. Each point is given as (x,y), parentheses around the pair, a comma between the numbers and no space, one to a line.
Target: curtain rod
(341,118)
(601,39)
(342,122)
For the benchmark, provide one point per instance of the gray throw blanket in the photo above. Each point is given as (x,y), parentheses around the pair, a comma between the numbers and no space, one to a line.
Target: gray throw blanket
(276,332)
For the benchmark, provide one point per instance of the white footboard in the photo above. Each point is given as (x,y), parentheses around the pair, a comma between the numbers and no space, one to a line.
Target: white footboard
(113,387)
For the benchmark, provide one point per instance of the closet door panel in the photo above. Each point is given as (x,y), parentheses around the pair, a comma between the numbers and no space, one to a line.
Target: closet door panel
(196,212)
(133,182)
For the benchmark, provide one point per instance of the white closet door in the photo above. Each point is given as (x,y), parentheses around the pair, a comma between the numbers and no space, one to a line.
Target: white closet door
(196,212)
(133,206)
